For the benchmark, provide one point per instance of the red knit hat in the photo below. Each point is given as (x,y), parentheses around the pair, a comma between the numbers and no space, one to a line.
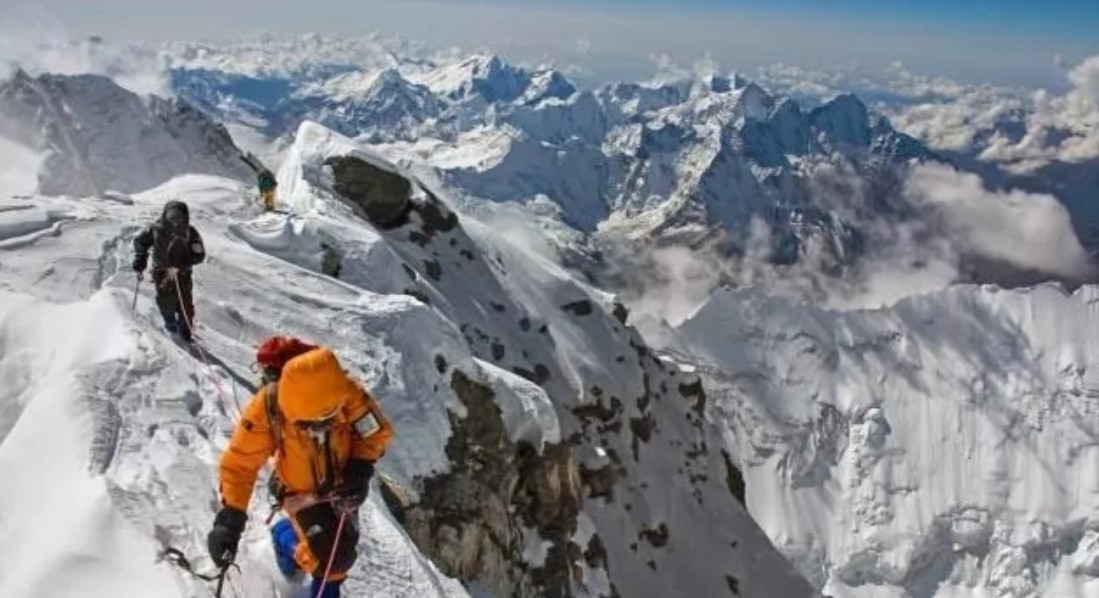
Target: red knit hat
(274,352)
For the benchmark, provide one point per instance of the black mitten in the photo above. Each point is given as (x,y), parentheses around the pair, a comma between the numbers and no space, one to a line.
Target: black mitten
(223,539)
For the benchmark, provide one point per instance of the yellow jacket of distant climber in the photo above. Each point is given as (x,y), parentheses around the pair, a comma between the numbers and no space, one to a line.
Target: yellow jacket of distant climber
(312,387)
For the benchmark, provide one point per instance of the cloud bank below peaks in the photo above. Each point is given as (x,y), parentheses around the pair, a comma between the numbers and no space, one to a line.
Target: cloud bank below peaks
(943,228)
(34,41)
(1023,131)
(1029,231)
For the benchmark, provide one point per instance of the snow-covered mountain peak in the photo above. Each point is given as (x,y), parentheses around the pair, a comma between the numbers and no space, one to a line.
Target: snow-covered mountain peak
(755,103)
(485,75)
(791,127)
(282,56)
(99,136)
(718,83)
(352,85)
(843,120)
(547,83)
(683,158)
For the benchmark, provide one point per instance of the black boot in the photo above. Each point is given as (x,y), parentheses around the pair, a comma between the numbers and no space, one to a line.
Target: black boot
(170,324)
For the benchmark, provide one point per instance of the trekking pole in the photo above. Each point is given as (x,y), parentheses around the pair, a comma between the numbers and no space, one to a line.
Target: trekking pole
(332,554)
(137,286)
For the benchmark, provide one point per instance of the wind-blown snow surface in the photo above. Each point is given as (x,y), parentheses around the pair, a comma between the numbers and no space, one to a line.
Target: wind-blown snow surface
(946,446)
(125,426)
(68,538)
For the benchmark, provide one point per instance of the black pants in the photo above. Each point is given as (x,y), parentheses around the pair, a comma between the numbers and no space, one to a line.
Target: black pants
(177,315)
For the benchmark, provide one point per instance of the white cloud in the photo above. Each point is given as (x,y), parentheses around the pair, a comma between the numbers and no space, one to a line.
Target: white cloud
(35,41)
(1030,231)
(667,69)
(676,280)
(625,33)
(1057,127)
(1084,98)
(1018,128)
(957,231)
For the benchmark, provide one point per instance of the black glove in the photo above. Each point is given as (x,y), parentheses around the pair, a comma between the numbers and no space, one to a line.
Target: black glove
(141,260)
(223,539)
(354,482)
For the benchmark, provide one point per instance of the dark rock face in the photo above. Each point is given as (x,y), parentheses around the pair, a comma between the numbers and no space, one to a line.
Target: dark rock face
(468,520)
(331,261)
(734,479)
(382,197)
(582,307)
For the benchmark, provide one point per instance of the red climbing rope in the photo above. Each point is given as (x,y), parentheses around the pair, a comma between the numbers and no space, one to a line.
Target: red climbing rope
(201,352)
(332,554)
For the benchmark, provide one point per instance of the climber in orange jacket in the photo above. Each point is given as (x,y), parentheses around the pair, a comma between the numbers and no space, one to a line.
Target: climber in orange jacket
(325,432)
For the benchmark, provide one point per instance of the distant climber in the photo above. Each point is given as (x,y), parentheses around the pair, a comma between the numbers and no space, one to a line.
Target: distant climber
(176,247)
(265,181)
(267,186)
(325,432)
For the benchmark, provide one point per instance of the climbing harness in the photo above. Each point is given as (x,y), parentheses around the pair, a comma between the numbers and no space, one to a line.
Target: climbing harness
(177,558)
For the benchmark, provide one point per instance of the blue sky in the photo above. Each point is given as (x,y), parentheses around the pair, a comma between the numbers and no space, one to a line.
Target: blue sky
(1054,18)
(1001,41)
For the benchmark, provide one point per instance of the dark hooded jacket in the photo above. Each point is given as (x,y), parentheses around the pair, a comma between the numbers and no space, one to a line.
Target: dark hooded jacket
(266,181)
(172,247)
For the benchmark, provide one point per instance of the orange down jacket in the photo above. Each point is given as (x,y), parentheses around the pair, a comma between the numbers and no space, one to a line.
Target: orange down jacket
(312,386)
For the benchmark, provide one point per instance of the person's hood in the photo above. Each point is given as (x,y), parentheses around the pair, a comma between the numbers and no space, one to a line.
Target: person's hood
(314,386)
(175,204)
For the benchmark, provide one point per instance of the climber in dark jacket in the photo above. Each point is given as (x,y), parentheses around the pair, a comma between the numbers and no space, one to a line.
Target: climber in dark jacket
(176,247)
(267,187)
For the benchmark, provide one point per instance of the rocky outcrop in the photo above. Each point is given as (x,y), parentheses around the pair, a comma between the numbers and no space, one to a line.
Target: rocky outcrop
(380,196)
(475,520)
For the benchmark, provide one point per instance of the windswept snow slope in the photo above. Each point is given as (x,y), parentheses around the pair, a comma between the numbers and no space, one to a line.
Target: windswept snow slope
(947,446)
(67,539)
(128,424)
